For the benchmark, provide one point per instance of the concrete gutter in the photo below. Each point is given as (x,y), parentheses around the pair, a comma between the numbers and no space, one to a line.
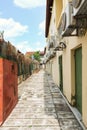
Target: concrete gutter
(75,112)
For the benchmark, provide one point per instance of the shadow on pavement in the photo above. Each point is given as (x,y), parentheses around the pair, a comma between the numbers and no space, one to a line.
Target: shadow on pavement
(56,106)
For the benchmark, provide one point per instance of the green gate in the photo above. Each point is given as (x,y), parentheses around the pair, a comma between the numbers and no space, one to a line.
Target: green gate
(78,78)
(60,73)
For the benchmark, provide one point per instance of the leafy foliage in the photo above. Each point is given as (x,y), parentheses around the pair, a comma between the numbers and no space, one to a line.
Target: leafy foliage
(37,55)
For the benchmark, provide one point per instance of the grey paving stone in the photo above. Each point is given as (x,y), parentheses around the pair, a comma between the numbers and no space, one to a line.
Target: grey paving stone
(70,128)
(56,95)
(45,128)
(45,122)
(62,107)
(17,122)
(40,107)
(66,122)
(64,114)
(9,128)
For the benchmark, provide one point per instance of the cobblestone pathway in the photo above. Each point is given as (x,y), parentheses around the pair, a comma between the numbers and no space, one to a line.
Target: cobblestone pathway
(40,107)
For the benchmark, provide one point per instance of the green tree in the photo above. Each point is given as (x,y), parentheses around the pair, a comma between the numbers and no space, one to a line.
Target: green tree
(37,55)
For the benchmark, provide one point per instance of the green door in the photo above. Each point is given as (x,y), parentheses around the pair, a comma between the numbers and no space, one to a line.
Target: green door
(78,78)
(60,73)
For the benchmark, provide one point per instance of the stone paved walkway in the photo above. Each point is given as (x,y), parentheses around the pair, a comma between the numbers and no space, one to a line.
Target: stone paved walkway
(40,107)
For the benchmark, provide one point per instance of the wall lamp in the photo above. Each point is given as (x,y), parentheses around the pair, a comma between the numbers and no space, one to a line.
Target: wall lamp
(60,46)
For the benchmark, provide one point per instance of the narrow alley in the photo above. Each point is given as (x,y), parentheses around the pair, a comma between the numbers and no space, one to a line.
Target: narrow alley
(40,107)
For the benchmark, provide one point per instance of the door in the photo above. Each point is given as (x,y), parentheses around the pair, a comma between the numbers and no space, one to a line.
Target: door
(60,73)
(78,78)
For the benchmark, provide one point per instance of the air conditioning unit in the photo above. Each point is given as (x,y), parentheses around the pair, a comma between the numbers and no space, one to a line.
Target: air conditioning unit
(80,7)
(68,22)
(57,41)
(48,54)
(57,47)
(52,53)
(51,42)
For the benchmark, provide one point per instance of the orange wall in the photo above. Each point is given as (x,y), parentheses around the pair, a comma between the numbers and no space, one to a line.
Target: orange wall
(8,88)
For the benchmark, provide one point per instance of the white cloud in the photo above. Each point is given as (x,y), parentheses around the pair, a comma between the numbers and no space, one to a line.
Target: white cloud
(38,43)
(12,28)
(42,28)
(29,3)
(25,46)
(38,46)
(39,49)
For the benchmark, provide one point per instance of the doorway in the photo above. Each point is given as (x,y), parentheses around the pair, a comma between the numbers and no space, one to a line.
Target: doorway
(78,78)
(60,74)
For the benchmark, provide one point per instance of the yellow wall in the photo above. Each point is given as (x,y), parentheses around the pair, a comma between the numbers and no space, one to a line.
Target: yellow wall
(64,3)
(58,10)
(68,60)
(66,74)
(55,73)
(69,69)
(52,27)
(48,67)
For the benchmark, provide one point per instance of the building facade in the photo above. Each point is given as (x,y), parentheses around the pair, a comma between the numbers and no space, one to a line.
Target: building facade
(66,51)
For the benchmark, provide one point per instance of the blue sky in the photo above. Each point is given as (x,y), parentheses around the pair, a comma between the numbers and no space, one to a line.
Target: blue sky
(23,22)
